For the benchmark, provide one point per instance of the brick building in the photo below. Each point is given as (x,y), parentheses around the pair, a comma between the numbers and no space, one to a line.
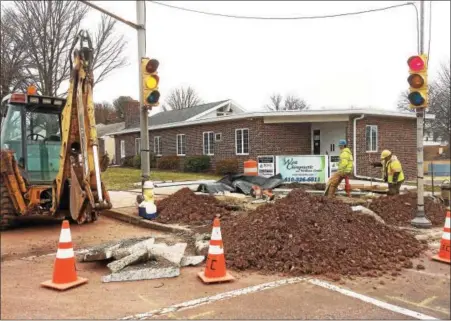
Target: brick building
(225,130)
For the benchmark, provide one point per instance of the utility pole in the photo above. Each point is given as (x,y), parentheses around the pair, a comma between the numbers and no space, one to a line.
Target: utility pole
(140,27)
(144,118)
(420,220)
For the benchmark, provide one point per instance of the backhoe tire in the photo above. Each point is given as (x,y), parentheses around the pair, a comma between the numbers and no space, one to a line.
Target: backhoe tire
(7,211)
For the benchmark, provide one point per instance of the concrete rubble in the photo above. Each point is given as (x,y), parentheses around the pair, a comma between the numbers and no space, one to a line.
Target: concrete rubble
(141,259)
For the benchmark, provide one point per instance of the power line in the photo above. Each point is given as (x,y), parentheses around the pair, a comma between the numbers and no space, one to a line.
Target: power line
(283,18)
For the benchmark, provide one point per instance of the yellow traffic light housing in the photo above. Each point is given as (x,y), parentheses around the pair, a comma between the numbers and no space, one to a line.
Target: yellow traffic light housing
(418,91)
(150,81)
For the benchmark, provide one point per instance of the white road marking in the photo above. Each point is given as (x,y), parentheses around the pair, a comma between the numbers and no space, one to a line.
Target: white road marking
(217,297)
(265,286)
(378,303)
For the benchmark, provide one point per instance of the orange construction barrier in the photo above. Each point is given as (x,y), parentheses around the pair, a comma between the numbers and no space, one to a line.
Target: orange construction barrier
(250,168)
(443,254)
(215,270)
(64,273)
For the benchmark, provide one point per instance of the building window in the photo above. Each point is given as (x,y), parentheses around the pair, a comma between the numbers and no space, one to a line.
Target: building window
(157,145)
(122,148)
(209,143)
(371,138)
(137,146)
(242,141)
(218,137)
(181,145)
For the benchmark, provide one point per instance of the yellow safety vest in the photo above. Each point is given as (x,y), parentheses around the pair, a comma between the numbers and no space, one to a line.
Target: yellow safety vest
(391,167)
(346,161)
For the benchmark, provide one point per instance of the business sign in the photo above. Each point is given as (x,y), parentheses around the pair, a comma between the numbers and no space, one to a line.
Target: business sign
(303,168)
(266,166)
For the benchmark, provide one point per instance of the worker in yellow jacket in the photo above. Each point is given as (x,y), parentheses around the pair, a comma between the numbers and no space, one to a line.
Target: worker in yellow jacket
(391,171)
(345,167)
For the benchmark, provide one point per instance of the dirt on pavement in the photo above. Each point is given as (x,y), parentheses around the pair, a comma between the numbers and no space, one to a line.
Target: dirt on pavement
(305,234)
(400,209)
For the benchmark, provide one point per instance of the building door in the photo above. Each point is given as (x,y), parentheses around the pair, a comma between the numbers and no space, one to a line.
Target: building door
(316,142)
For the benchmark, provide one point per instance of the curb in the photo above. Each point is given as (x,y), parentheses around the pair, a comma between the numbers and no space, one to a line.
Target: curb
(139,221)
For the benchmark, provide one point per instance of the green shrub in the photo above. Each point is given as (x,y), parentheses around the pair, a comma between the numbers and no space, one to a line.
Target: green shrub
(169,162)
(152,160)
(137,161)
(227,166)
(196,164)
(127,161)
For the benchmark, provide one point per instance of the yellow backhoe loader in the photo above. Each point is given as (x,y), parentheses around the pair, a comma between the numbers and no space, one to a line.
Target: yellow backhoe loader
(49,150)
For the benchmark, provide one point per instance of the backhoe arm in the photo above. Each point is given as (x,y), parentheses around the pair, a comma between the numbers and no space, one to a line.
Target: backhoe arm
(79,156)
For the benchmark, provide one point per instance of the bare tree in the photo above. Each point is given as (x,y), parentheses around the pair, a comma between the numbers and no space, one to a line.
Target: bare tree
(181,98)
(291,102)
(49,29)
(13,56)
(276,102)
(119,105)
(102,112)
(109,49)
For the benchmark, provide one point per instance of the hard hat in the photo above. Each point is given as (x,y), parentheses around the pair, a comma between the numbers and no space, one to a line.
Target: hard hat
(385,153)
(342,142)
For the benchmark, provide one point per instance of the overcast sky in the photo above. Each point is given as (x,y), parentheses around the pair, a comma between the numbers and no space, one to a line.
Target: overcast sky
(333,63)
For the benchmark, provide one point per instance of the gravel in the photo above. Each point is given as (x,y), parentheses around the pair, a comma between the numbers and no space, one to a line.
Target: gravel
(305,234)
(185,206)
(400,209)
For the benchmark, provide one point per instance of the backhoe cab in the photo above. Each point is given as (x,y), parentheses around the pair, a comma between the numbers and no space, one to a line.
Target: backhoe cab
(49,150)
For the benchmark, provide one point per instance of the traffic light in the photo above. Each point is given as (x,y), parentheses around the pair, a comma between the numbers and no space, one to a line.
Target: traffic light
(418,69)
(150,81)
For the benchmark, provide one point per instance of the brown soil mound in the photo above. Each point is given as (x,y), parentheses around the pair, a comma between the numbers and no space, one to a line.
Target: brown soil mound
(186,207)
(305,234)
(400,209)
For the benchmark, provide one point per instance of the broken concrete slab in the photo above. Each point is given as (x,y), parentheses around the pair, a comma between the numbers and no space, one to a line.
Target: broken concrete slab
(202,237)
(124,250)
(192,260)
(106,251)
(366,211)
(172,253)
(140,255)
(146,271)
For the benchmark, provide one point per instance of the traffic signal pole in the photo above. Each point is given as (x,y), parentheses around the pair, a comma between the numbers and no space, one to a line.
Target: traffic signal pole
(144,117)
(420,220)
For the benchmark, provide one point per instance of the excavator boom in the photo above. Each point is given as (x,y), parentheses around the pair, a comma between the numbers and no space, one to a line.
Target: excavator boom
(79,156)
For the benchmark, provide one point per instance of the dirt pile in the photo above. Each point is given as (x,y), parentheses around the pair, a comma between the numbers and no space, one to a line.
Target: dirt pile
(400,209)
(305,234)
(185,206)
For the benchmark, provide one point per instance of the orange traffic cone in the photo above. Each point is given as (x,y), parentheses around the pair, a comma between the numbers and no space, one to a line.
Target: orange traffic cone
(64,273)
(443,254)
(215,270)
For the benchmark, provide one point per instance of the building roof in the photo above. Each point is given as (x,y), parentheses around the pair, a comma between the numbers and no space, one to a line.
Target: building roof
(175,116)
(189,121)
(103,129)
